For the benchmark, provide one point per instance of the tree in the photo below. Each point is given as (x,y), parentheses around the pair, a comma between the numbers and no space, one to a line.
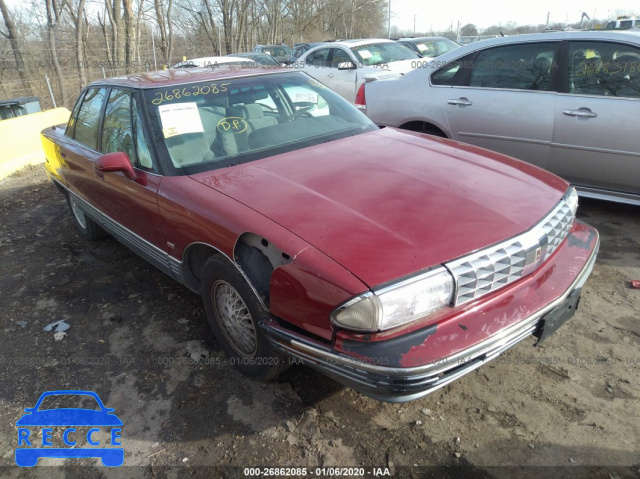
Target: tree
(54,14)
(77,16)
(469,30)
(12,36)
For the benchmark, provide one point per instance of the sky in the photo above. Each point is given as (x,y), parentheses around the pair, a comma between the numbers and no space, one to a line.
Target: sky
(439,15)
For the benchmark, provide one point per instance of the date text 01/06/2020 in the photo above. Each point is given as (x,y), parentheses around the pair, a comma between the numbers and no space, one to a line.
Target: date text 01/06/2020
(317,471)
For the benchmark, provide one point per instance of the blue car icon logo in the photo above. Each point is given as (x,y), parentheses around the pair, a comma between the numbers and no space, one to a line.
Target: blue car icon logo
(67,425)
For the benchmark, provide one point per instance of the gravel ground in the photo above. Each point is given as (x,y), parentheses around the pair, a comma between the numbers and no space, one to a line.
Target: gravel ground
(140,340)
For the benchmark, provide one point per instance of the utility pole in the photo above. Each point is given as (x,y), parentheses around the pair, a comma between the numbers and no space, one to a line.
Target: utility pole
(389,22)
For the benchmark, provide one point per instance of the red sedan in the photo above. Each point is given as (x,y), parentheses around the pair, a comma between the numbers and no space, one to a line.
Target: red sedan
(391,261)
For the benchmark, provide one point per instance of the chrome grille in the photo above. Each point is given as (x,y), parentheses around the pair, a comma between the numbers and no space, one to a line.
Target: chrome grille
(557,227)
(489,269)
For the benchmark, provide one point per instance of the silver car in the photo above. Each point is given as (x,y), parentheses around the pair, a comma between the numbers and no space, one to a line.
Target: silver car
(567,102)
(343,66)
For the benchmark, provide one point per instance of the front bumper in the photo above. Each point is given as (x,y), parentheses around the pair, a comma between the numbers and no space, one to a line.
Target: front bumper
(394,383)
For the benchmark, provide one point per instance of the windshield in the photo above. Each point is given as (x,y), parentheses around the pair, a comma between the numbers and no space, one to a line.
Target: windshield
(215,124)
(262,59)
(433,47)
(278,51)
(379,53)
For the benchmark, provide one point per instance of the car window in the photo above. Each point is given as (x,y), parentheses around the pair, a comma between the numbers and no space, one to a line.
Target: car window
(448,74)
(277,51)
(319,58)
(117,134)
(143,154)
(72,118)
(86,128)
(520,67)
(604,69)
(307,100)
(210,125)
(339,56)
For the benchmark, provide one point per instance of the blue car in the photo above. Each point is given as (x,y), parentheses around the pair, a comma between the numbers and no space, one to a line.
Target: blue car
(27,455)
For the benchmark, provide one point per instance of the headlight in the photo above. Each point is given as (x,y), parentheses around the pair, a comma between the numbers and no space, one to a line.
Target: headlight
(396,304)
(571,197)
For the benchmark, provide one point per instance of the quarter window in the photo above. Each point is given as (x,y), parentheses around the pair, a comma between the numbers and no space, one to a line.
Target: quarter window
(604,69)
(518,67)
(86,128)
(448,74)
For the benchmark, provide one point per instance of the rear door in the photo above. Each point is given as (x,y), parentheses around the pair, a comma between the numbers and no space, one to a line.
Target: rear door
(595,141)
(316,64)
(505,100)
(79,148)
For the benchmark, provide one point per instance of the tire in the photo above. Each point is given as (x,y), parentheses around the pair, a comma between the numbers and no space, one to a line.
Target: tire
(87,227)
(237,330)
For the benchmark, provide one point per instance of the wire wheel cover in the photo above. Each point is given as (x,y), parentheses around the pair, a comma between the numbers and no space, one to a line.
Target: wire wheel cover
(234,319)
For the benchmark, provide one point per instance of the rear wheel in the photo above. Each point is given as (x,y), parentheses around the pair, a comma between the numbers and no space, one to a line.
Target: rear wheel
(88,228)
(234,313)
(422,127)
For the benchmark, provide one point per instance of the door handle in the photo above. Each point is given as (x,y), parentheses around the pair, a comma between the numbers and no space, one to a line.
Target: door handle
(63,154)
(330,75)
(582,113)
(460,101)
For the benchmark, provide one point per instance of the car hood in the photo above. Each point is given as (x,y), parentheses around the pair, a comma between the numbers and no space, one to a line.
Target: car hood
(389,203)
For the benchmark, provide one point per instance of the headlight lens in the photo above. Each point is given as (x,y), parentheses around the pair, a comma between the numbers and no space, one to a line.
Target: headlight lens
(571,197)
(397,304)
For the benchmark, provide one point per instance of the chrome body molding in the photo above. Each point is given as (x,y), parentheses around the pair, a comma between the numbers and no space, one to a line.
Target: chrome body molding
(154,255)
(608,195)
(394,384)
(166,263)
(489,269)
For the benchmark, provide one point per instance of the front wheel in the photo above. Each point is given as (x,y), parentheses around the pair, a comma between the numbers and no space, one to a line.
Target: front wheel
(234,313)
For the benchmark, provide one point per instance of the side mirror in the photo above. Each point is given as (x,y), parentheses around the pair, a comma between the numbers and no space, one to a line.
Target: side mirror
(346,66)
(118,161)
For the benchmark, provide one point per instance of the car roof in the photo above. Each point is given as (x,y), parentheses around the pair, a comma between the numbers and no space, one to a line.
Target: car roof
(626,36)
(359,41)
(181,76)
(406,39)
(623,36)
(210,60)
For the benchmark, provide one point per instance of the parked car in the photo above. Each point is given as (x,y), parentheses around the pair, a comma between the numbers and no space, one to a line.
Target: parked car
(259,58)
(280,52)
(623,23)
(563,101)
(429,47)
(391,261)
(343,66)
(214,62)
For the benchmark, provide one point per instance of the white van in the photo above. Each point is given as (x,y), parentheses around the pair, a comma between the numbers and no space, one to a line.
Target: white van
(623,23)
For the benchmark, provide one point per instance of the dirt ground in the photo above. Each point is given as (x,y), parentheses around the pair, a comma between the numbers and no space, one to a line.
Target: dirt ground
(568,409)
